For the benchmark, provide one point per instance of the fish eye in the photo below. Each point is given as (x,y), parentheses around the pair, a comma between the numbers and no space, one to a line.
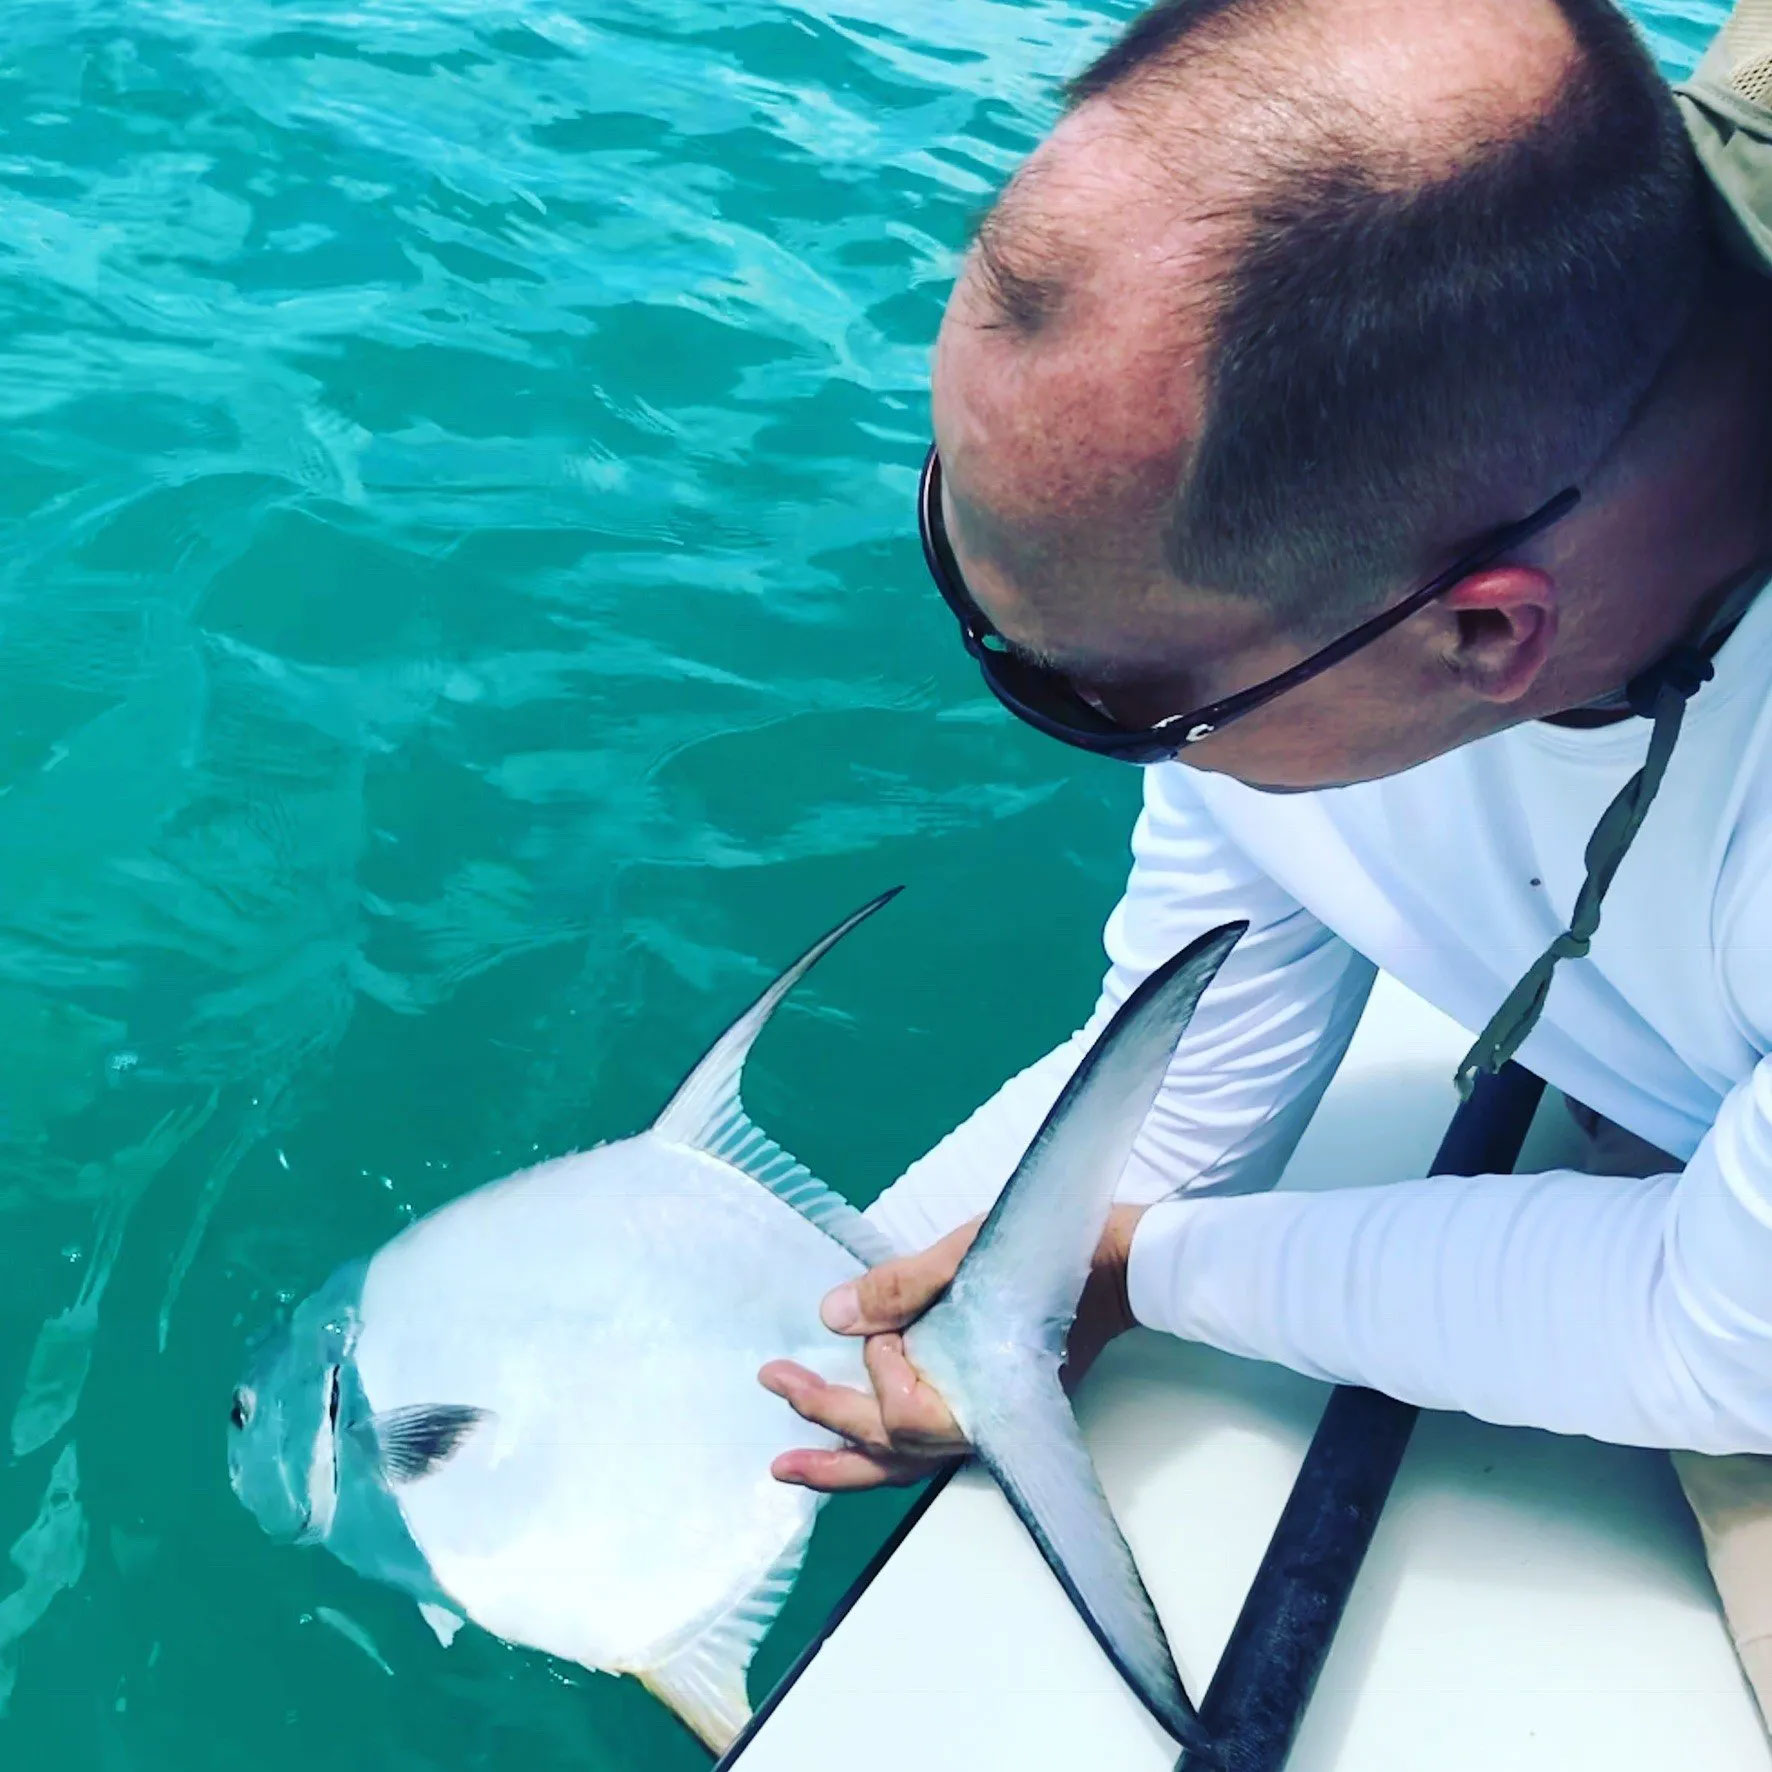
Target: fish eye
(241,1413)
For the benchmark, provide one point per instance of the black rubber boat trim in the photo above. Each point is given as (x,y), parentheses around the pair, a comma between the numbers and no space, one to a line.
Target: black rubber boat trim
(1264,1678)
(838,1613)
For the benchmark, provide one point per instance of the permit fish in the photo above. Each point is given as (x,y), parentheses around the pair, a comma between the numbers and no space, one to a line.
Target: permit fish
(537,1408)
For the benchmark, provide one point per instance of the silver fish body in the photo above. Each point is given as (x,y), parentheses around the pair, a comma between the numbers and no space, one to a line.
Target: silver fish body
(609,1312)
(538,1409)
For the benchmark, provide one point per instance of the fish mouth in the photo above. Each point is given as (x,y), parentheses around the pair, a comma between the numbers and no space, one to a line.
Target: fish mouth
(277,1513)
(284,1530)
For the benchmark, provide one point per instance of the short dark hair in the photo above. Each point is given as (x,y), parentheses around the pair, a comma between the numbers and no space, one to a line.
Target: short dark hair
(1394,360)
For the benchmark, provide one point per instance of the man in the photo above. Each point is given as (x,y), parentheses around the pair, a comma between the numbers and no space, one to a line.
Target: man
(1314,310)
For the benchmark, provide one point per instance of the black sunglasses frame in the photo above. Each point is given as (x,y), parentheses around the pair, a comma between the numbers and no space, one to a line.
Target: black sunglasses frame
(1046,700)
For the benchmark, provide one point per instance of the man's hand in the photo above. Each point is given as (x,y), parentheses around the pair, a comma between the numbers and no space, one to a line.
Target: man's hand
(904,1431)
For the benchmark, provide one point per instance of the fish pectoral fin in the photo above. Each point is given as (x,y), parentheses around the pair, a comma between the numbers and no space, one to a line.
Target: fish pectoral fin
(411,1443)
(704,1681)
(1020,1424)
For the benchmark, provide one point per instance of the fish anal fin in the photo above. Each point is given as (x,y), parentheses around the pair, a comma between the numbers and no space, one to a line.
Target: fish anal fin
(414,1441)
(703,1681)
(710,1698)
(707,1114)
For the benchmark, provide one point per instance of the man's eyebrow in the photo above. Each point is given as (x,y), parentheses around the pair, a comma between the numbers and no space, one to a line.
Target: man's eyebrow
(1019,273)
(1023,654)
(1073,670)
(1030,656)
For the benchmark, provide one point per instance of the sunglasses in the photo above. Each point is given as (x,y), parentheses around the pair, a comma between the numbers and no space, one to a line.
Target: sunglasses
(1049,702)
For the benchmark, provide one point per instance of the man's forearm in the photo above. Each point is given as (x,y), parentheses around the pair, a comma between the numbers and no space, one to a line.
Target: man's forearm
(961,1177)
(1542,1300)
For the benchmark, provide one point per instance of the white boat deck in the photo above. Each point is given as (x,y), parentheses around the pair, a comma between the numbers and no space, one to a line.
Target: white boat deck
(1530,1602)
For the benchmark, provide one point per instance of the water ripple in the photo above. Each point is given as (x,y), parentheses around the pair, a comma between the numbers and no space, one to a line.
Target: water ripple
(459,630)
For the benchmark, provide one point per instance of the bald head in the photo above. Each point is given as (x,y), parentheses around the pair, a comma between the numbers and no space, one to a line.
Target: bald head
(1301,291)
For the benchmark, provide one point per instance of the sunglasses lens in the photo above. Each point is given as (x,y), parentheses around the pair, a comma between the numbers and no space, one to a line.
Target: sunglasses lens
(1045,701)
(1041,698)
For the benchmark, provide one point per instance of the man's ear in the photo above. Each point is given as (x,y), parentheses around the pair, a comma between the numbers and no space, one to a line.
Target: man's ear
(1504,621)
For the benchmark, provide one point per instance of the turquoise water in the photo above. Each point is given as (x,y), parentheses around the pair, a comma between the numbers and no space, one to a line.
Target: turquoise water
(460,630)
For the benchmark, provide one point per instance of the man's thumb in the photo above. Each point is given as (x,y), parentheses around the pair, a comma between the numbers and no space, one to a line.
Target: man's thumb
(896,1293)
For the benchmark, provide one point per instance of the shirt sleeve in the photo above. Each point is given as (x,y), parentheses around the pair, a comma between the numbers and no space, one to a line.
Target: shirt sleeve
(1631,1311)
(1246,1077)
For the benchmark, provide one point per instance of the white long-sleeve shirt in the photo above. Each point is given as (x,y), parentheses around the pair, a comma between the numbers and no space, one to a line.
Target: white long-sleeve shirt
(1636,1311)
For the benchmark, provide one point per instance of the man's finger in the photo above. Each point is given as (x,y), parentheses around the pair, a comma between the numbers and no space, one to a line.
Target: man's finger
(848,1469)
(852,1413)
(912,1411)
(896,1293)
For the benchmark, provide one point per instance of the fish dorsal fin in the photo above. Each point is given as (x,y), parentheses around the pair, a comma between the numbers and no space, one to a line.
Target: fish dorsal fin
(704,1680)
(707,1114)
(992,1345)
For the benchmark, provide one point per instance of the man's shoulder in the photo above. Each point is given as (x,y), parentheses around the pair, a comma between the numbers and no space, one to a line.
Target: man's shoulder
(1188,813)
(1727,105)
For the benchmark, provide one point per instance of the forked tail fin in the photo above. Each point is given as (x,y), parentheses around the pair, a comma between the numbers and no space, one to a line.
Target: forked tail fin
(993,1344)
